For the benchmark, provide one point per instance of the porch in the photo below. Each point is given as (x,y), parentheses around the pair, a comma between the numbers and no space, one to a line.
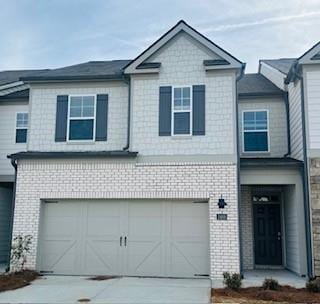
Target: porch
(272,225)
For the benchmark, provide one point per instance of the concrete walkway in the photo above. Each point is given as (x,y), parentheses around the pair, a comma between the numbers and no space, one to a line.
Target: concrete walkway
(68,289)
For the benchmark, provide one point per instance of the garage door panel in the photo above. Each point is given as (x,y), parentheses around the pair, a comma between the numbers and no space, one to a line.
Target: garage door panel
(102,257)
(145,258)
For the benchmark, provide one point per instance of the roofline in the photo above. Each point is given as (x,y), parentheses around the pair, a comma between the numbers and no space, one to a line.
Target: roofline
(61,155)
(73,78)
(272,67)
(10,85)
(261,94)
(306,52)
(171,29)
(270,162)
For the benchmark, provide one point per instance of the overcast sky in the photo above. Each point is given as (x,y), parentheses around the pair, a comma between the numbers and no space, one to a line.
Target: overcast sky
(55,33)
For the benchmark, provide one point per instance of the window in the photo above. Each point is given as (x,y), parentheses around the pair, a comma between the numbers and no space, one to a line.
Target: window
(21,127)
(81,118)
(255,131)
(181,111)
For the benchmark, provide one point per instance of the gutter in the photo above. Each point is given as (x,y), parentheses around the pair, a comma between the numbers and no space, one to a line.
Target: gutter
(238,166)
(305,177)
(14,165)
(287,105)
(126,147)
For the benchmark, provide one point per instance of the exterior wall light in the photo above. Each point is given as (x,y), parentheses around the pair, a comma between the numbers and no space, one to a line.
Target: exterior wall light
(221,202)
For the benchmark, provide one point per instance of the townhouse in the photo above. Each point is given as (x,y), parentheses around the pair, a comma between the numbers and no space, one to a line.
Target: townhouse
(173,164)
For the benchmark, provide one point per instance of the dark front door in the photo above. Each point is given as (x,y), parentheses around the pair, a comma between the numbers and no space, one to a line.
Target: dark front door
(267,234)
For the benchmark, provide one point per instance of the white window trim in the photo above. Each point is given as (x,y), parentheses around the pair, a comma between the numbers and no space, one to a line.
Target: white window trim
(249,131)
(20,128)
(173,111)
(82,118)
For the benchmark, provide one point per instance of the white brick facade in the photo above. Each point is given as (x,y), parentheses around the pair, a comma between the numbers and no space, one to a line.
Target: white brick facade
(103,179)
(43,102)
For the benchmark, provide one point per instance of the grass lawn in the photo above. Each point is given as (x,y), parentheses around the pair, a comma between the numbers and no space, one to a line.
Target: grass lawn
(257,295)
(10,281)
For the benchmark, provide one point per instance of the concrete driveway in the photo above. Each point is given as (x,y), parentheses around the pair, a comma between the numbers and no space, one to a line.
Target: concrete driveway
(69,289)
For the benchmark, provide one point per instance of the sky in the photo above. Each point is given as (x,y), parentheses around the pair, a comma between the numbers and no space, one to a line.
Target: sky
(54,33)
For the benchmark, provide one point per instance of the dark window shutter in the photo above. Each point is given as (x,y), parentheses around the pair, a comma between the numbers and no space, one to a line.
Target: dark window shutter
(199,110)
(101,117)
(165,111)
(61,118)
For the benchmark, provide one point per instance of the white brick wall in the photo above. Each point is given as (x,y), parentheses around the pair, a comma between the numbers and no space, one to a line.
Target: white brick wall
(278,144)
(43,100)
(103,179)
(182,64)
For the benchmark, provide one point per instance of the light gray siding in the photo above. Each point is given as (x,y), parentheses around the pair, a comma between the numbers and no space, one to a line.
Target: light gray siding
(278,144)
(43,102)
(5,218)
(182,65)
(294,95)
(8,143)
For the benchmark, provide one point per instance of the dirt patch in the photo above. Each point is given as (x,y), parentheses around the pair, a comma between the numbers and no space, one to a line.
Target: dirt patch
(102,278)
(16,280)
(285,294)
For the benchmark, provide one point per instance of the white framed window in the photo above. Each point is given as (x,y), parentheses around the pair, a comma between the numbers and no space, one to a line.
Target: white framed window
(21,127)
(181,119)
(255,131)
(81,117)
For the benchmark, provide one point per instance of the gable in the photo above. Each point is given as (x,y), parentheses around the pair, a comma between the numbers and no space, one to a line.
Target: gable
(214,56)
(311,56)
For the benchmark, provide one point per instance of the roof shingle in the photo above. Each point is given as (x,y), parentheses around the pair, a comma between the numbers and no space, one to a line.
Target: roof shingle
(257,84)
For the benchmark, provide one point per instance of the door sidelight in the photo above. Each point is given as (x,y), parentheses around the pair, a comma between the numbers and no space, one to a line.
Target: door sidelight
(125,241)
(120,241)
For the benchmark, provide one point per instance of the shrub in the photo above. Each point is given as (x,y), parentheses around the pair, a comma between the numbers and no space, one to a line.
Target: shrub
(313,285)
(270,284)
(232,281)
(19,251)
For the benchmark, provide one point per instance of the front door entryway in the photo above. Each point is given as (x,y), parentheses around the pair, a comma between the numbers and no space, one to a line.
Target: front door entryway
(267,234)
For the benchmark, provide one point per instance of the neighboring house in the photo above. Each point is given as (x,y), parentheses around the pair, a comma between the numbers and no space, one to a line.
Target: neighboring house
(300,77)
(127,163)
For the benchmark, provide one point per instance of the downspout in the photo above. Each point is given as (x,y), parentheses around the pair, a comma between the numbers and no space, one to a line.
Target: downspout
(287,105)
(14,165)
(128,81)
(238,163)
(305,177)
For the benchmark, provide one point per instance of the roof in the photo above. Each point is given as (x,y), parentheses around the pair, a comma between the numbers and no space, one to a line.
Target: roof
(83,154)
(256,85)
(14,75)
(232,62)
(283,65)
(88,70)
(281,161)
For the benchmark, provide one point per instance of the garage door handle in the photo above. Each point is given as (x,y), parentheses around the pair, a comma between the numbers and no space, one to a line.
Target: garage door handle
(125,241)
(120,240)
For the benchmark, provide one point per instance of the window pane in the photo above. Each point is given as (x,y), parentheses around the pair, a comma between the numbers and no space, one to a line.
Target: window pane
(177,104)
(22,120)
(88,112)
(75,111)
(21,135)
(261,115)
(248,116)
(181,123)
(255,141)
(186,104)
(177,93)
(88,101)
(75,101)
(186,92)
(81,129)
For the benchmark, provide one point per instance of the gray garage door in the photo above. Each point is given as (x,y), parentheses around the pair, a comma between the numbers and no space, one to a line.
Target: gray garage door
(140,238)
